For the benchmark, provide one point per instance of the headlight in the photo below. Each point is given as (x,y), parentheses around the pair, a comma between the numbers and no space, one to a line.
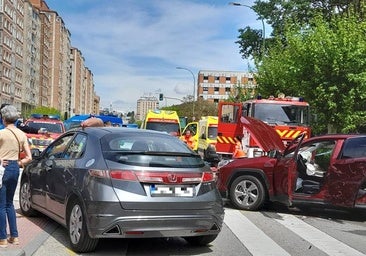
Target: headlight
(222,163)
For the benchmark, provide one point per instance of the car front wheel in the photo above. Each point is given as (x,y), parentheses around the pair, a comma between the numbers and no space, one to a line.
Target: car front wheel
(247,193)
(78,235)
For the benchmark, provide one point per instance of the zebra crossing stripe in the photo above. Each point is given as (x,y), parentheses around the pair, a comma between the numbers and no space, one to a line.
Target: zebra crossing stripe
(253,238)
(321,240)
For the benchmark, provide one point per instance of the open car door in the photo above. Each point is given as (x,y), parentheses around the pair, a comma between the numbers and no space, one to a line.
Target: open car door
(292,166)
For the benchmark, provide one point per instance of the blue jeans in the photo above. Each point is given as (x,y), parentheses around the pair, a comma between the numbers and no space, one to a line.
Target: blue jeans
(7,191)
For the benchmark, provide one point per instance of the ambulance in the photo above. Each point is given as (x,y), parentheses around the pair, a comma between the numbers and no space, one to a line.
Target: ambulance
(162,120)
(204,133)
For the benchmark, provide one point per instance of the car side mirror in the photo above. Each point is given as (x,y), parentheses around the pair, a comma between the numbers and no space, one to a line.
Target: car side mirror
(35,152)
(274,154)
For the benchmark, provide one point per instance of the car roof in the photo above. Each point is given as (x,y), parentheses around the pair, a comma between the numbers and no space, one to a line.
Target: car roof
(101,131)
(335,136)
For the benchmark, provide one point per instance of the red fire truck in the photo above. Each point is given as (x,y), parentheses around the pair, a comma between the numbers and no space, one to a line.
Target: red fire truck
(289,116)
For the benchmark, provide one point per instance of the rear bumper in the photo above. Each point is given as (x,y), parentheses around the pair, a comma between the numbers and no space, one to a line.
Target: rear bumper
(158,226)
(140,224)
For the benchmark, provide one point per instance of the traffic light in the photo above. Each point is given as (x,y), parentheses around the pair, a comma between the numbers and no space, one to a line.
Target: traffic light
(161,97)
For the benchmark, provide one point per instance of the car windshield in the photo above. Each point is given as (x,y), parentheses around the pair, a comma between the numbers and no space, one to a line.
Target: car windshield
(276,114)
(50,127)
(163,127)
(146,150)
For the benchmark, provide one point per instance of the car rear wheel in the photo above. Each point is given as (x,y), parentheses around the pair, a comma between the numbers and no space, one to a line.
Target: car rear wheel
(247,193)
(25,199)
(200,240)
(78,235)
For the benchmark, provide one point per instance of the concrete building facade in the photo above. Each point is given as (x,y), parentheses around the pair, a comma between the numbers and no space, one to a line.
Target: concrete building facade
(215,86)
(39,66)
(144,104)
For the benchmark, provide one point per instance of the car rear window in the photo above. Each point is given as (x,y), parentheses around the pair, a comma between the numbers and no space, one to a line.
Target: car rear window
(154,151)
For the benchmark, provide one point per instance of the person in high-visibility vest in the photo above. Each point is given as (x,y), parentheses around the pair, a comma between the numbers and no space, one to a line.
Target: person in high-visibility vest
(238,151)
(187,138)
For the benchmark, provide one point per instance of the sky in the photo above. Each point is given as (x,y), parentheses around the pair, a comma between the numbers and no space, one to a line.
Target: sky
(133,47)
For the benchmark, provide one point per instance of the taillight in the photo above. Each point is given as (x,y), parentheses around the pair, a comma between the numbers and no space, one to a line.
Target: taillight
(114,174)
(122,175)
(155,177)
(208,177)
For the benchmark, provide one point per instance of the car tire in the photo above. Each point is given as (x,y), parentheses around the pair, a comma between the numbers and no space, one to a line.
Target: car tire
(25,202)
(79,238)
(247,193)
(200,240)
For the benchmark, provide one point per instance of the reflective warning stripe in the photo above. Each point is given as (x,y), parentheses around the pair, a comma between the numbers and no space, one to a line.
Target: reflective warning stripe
(226,140)
(288,134)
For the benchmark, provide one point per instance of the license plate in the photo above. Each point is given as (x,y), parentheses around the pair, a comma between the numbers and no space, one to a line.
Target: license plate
(172,191)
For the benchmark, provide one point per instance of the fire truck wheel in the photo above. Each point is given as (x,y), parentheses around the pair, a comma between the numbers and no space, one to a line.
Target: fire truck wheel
(247,193)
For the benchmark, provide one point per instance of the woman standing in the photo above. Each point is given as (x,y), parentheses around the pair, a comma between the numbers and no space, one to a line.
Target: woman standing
(12,142)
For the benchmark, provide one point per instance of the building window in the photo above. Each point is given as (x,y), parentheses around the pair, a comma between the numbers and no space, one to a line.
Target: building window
(205,78)
(205,89)
(216,89)
(228,79)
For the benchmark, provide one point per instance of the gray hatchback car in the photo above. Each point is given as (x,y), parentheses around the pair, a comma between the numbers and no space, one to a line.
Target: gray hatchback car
(123,183)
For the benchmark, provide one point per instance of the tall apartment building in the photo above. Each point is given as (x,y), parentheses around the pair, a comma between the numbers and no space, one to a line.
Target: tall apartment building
(38,62)
(144,104)
(215,85)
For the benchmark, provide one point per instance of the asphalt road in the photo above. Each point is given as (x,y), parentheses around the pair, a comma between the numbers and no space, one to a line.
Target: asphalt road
(277,231)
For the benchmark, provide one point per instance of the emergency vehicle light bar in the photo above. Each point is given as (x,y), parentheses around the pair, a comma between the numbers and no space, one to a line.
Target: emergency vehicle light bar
(39,116)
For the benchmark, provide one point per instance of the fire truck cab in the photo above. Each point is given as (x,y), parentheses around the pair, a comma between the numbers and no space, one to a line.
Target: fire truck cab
(289,116)
(50,123)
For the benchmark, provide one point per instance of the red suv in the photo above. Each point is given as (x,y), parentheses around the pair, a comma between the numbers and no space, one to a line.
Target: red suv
(325,170)
(52,124)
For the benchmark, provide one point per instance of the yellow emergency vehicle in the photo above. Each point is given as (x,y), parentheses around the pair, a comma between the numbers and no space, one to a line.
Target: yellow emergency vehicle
(204,133)
(162,120)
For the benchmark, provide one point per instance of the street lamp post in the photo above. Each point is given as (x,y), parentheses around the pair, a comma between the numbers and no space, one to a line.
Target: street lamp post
(194,89)
(263,27)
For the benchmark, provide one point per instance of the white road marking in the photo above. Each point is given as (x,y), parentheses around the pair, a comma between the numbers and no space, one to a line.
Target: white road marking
(253,238)
(316,237)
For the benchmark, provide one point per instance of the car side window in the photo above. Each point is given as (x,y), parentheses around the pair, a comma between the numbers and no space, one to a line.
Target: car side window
(57,149)
(354,148)
(77,147)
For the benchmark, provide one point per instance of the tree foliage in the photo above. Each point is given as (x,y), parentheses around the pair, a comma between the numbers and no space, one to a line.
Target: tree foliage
(325,63)
(44,111)
(201,108)
(241,93)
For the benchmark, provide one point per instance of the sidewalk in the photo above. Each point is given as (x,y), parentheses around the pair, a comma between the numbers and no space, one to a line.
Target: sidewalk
(32,232)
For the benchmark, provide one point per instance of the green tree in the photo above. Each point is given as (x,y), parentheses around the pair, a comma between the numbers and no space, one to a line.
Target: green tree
(201,108)
(43,111)
(278,13)
(241,93)
(325,63)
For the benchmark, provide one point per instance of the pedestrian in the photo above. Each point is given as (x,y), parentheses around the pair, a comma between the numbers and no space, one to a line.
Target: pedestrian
(12,142)
(19,124)
(188,139)
(238,150)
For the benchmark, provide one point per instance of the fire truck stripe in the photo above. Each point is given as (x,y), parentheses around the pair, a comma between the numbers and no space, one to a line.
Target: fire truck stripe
(225,140)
